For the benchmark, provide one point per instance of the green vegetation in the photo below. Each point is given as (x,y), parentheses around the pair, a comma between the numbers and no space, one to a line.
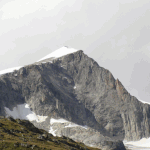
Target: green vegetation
(21,135)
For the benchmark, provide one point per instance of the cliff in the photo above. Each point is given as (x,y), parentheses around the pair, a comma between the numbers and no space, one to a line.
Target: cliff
(74,87)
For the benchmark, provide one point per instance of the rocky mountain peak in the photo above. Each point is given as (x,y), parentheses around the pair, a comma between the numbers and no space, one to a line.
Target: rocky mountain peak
(69,94)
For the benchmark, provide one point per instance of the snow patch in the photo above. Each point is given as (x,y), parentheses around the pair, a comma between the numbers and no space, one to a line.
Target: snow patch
(71,125)
(74,87)
(52,120)
(75,125)
(144,142)
(91,145)
(52,131)
(85,127)
(23,111)
(60,52)
(9,70)
(41,118)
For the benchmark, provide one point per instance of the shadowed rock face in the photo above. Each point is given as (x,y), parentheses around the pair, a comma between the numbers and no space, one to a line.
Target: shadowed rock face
(76,88)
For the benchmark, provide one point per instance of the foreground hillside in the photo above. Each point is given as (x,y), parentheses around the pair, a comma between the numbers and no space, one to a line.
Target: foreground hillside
(21,134)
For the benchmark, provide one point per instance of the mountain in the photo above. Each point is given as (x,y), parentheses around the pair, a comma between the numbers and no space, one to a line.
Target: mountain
(69,94)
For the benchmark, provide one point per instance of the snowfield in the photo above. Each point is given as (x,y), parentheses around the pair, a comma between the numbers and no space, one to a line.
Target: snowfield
(142,144)
(60,52)
(52,121)
(23,112)
(9,70)
(52,131)
(56,54)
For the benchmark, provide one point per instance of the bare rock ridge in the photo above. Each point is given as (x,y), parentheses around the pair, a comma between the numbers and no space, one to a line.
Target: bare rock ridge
(74,87)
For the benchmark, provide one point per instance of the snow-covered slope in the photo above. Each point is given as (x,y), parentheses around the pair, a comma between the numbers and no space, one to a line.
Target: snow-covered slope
(9,70)
(23,112)
(60,52)
(143,143)
(57,53)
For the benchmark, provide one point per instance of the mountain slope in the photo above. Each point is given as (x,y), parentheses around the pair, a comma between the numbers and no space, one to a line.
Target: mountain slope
(75,88)
(21,134)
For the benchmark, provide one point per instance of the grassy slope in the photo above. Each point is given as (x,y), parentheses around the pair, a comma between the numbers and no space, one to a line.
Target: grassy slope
(21,134)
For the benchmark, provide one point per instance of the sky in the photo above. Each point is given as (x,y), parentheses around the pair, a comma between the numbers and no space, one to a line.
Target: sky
(116,33)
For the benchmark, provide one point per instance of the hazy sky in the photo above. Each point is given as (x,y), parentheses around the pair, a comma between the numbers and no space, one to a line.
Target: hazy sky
(116,33)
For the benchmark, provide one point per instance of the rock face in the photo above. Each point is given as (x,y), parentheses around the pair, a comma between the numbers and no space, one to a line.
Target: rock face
(76,88)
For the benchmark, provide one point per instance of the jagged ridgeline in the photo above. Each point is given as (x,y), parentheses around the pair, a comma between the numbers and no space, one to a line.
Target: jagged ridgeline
(73,96)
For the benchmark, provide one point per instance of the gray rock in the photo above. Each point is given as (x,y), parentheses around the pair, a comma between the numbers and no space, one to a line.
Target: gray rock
(98,101)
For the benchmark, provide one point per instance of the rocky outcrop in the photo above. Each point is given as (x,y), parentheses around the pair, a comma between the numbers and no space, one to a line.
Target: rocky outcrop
(121,114)
(76,88)
(135,115)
